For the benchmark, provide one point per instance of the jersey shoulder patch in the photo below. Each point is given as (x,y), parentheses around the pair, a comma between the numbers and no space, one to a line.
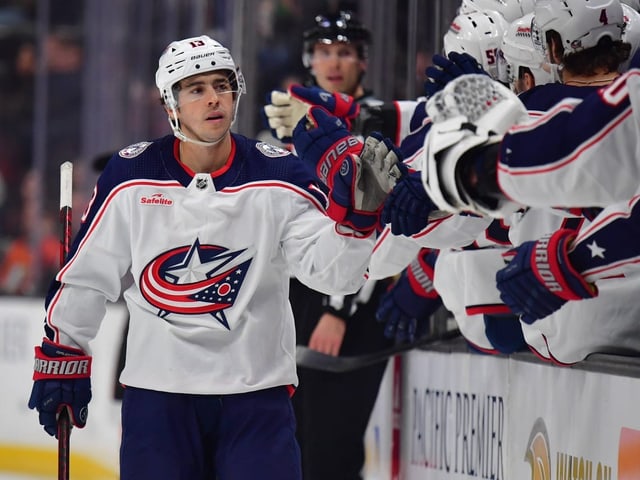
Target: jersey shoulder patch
(134,150)
(271,151)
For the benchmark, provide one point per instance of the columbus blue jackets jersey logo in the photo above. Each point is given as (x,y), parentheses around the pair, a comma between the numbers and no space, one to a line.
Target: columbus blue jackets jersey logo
(134,150)
(194,280)
(271,150)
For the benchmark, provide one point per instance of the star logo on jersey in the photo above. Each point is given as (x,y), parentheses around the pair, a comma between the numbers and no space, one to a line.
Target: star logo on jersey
(596,250)
(194,280)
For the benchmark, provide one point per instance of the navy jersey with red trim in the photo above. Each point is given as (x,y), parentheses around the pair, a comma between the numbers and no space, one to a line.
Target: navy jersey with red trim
(608,246)
(578,153)
(541,98)
(209,257)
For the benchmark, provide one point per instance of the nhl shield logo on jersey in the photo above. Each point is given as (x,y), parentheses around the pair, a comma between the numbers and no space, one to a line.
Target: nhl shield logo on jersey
(201,182)
(271,151)
(133,150)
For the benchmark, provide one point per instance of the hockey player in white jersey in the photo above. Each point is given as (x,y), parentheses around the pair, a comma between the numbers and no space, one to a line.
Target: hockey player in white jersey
(521,65)
(208,224)
(528,175)
(558,343)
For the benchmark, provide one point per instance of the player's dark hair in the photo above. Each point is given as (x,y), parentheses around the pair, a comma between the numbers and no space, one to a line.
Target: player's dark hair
(605,57)
(523,70)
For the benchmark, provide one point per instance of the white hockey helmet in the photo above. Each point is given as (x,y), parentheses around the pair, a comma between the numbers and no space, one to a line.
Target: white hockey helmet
(635,4)
(479,34)
(630,33)
(509,9)
(191,56)
(581,24)
(471,112)
(518,51)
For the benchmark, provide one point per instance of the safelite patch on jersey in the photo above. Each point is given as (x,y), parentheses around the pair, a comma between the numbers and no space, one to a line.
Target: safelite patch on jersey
(271,150)
(133,150)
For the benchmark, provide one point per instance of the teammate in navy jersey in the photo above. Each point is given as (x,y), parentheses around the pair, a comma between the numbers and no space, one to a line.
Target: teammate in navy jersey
(209,225)
(570,157)
(589,51)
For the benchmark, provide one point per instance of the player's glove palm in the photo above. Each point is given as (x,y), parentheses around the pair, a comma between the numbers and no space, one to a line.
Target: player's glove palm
(61,380)
(358,176)
(285,109)
(540,279)
(408,305)
(445,69)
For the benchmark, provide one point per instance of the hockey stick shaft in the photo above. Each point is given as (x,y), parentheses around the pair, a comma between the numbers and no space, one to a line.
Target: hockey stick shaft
(66,202)
(305,357)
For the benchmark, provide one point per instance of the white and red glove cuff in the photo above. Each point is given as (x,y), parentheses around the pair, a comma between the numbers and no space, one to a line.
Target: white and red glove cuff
(420,275)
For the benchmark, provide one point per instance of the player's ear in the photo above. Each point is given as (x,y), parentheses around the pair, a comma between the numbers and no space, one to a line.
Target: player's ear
(170,112)
(529,81)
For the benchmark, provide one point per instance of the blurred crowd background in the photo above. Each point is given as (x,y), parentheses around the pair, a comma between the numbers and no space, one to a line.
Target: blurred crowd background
(77,83)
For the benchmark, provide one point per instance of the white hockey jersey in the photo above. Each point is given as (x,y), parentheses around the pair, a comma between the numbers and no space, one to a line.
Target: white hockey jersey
(210,256)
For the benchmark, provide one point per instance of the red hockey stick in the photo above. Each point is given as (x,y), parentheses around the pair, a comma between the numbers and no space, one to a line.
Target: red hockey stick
(66,189)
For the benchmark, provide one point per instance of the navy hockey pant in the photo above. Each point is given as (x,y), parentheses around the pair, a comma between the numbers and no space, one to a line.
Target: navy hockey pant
(176,436)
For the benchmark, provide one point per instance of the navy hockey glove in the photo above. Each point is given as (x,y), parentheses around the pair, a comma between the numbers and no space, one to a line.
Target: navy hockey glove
(61,380)
(408,305)
(334,154)
(505,333)
(284,110)
(324,141)
(446,69)
(408,206)
(338,104)
(540,279)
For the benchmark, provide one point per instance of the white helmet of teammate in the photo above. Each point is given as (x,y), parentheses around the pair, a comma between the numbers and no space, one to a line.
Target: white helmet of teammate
(191,56)
(479,34)
(630,33)
(518,51)
(635,4)
(509,9)
(580,23)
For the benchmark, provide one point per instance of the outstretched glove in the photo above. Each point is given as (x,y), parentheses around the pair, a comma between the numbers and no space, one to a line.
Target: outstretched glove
(408,305)
(285,109)
(408,206)
(358,176)
(444,69)
(540,279)
(61,380)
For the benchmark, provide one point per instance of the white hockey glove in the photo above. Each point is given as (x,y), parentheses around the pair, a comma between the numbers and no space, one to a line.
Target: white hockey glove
(470,117)
(286,109)
(283,114)
(382,167)
(358,175)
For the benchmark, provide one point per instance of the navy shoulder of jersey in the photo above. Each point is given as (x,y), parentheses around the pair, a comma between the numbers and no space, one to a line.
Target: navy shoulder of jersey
(259,162)
(415,140)
(418,116)
(543,97)
(139,160)
(253,161)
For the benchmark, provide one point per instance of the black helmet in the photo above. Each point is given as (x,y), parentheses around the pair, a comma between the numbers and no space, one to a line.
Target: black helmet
(338,27)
